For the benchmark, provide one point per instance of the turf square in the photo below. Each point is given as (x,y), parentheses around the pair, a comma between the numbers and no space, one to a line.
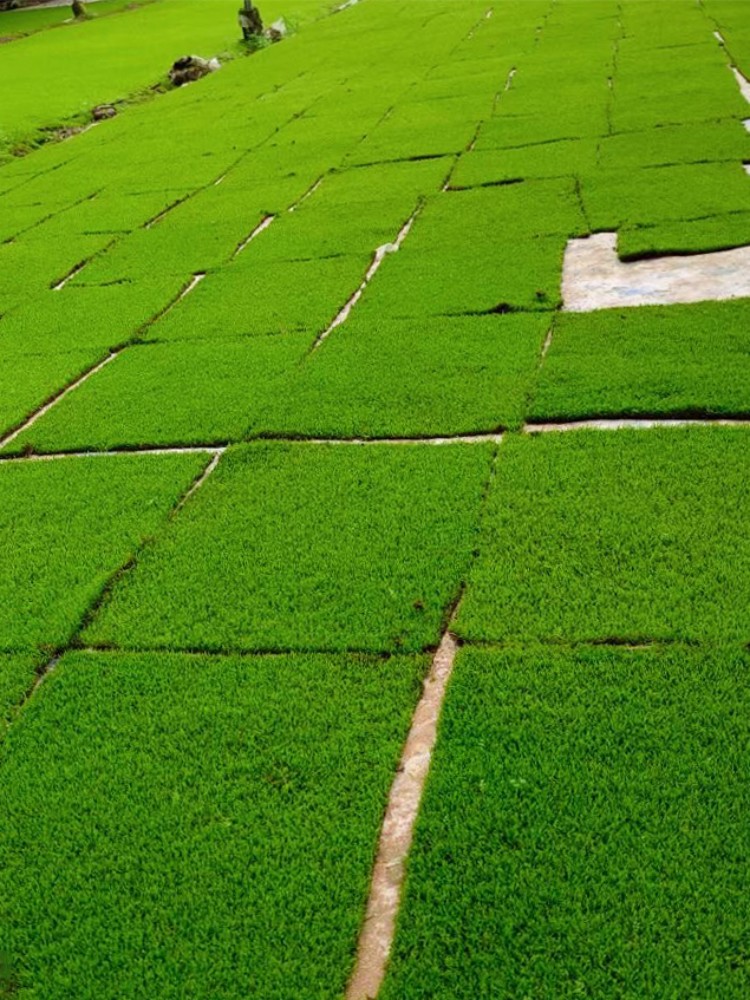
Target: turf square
(196,826)
(625,535)
(308,547)
(584,831)
(66,526)
(667,360)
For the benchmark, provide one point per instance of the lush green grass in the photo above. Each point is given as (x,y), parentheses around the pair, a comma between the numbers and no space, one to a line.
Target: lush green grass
(420,377)
(180,826)
(584,830)
(667,360)
(16,678)
(185,392)
(627,535)
(308,547)
(66,526)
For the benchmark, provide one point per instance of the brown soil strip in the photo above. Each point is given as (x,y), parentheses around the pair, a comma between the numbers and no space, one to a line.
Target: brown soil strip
(396,835)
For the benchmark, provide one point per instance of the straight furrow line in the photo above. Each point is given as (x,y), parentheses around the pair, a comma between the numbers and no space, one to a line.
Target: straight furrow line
(397,832)
(213,450)
(200,480)
(633,423)
(263,225)
(308,194)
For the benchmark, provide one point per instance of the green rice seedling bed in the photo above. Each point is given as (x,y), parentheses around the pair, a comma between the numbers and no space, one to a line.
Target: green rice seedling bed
(659,194)
(66,526)
(699,142)
(196,826)
(86,318)
(665,360)
(17,672)
(706,235)
(28,381)
(472,276)
(542,160)
(409,378)
(307,547)
(632,535)
(171,393)
(275,297)
(584,831)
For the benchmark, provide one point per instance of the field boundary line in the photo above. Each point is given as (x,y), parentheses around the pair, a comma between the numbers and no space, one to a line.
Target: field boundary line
(631,423)
(397,832)
(71,387)
(380,254)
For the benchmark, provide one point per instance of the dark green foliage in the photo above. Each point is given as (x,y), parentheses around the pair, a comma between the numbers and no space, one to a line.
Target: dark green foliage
(584,831)
(627,535)
(308,546)
(182,826)
(667,360)
(66,527)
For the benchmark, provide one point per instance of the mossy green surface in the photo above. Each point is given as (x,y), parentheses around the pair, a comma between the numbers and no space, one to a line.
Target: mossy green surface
(192,826)
(308,547)
(630,536)
(583,831)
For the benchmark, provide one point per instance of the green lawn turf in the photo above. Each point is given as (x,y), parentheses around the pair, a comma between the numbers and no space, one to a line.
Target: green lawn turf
(308,547)
(181,392)
(409,378)
(192,826)
(666,360)
(584,830)
(66,526)
(627,535)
